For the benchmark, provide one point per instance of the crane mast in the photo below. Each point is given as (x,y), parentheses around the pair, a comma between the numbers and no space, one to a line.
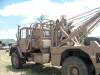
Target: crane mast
(68,36)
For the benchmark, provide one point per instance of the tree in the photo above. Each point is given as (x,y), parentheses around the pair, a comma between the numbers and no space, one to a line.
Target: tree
(9,44)
(3,44)
(0,42)
(42,18)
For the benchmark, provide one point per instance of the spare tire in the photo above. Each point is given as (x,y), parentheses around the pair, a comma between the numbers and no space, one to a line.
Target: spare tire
(87,40)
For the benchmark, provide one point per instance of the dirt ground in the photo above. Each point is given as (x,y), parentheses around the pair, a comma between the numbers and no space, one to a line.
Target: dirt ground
(28,69)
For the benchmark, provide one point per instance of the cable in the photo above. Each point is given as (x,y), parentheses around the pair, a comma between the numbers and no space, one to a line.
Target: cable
(82,15)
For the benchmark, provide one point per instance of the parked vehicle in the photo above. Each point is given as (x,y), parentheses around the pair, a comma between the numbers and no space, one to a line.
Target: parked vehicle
(61,44)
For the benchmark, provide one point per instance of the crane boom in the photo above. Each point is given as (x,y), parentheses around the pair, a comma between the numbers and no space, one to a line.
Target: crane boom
(81,31)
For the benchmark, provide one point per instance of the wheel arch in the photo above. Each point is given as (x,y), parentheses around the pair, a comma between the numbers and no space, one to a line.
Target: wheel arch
(74,52)
(12,49)
(78,53)
(17,50)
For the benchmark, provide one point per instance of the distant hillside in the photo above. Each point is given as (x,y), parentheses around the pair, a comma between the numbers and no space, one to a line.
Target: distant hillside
(7,41)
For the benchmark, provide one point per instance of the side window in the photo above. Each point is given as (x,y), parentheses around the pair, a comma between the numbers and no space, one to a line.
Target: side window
(28,33)
(46,33)
(23,33)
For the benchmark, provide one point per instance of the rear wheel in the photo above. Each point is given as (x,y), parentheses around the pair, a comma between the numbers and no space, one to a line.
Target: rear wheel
(16,61)
(74,66)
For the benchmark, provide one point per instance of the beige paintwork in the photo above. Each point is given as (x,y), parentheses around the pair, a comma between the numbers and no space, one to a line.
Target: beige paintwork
(40,58)
(23,45)
(61,37)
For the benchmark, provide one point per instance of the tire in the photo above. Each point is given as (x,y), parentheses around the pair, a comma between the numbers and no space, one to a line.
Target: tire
(16,61)
(74,66)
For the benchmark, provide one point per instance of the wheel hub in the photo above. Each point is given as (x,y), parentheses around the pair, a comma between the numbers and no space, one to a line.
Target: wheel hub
(74,71)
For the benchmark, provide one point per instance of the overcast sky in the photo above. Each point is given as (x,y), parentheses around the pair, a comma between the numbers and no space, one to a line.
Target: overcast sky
(14,12)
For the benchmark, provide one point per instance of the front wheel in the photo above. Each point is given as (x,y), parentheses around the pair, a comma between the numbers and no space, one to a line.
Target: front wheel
(74,66)
(16,61)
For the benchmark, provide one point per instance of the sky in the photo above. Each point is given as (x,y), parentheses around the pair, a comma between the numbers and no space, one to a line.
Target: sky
(23,12)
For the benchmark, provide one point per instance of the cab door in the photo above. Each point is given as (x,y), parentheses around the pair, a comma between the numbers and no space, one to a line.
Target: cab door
(23,41)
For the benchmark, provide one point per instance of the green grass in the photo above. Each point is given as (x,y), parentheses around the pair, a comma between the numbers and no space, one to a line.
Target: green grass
(35,69)
(28,69)
(25,71)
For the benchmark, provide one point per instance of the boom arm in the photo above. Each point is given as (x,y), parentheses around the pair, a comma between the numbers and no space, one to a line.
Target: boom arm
(75,36)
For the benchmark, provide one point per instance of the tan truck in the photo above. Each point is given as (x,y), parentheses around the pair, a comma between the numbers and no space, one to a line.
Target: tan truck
(60,43)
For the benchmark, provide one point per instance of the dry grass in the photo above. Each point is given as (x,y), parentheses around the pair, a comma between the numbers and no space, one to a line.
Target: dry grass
(29,69)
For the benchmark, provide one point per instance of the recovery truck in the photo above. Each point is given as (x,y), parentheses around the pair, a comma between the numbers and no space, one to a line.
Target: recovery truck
(61,43)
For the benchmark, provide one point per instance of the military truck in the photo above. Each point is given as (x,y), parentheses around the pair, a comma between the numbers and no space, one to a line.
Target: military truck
(62,43)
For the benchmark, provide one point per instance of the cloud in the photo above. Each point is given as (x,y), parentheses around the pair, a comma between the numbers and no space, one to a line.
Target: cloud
(34,8)
(30,8)
(10,33)
(28,20)
(38,7)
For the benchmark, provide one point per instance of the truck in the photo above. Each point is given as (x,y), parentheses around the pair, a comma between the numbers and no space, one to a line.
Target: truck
(62,43)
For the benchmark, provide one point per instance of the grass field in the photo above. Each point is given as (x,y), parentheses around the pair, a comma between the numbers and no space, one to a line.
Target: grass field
(28,69)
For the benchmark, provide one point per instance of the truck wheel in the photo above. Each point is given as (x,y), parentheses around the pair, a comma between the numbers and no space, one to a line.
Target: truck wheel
(16,61)
(74,66)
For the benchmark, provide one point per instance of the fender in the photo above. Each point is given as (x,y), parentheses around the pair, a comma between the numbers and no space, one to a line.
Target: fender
(17,50)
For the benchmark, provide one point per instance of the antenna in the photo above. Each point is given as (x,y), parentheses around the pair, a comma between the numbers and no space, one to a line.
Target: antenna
(18,34)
